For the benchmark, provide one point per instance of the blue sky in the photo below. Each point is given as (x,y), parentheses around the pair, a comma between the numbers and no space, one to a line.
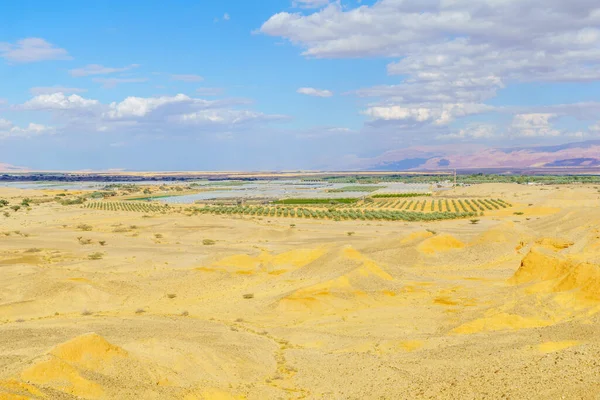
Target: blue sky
(284,84)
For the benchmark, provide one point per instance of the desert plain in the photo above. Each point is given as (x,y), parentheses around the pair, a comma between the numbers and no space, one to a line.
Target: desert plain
(97,304)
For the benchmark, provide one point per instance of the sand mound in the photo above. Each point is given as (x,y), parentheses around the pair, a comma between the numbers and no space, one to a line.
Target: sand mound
(439,244)
(350,289)
(57,374)
(496,321)
(12,389)
(560,274)
(68,368)
(415,236)
(554,243)
(274,264)
(89,351)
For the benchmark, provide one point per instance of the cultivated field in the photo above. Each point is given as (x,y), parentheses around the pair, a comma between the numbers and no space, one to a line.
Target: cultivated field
(487,291)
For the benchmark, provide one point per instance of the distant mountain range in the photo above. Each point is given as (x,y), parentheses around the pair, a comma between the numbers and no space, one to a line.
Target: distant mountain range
(579,155)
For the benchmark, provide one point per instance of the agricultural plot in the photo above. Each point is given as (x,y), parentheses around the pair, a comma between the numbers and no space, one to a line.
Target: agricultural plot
(126,206)
(336,214)
(442,205)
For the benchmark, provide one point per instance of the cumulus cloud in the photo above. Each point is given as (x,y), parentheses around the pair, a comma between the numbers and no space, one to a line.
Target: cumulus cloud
(10,130)
(436,114)
(315,92)
(32,50)
(187,78)
(97,69)
(452,53)
(59,101)
(532,125)
(473,131)
(55,89)
(179,114)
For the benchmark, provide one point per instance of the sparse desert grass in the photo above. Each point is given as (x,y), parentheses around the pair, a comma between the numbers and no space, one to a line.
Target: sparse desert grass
(248,296)
(84,241)
(140,311)
(84,227)
(96,256)
(86,312)
(208,242)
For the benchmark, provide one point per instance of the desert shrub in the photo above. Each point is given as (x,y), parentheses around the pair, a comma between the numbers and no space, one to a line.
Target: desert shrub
(84,241)
(95,256)
(474,221)
(248,296)
(208,242)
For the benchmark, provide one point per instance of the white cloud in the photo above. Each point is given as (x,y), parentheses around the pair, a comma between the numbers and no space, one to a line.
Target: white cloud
(59,101)
(179,114)
(226,117)
(473,131)
(532,125)
(452,52)
(187,78)
(141,106)
(315,92)
(9,130)
(226,17)
(109,83)
(54,89)
(32,50)
(425,113)
(97,69)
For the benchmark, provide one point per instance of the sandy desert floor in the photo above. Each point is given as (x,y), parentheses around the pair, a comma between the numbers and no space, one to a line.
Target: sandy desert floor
(507,308)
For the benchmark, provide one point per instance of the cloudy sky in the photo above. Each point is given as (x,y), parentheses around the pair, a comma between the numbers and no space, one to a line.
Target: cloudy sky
(290,84)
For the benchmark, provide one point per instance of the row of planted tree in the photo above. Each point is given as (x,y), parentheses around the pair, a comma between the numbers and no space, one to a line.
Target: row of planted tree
(332,213)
